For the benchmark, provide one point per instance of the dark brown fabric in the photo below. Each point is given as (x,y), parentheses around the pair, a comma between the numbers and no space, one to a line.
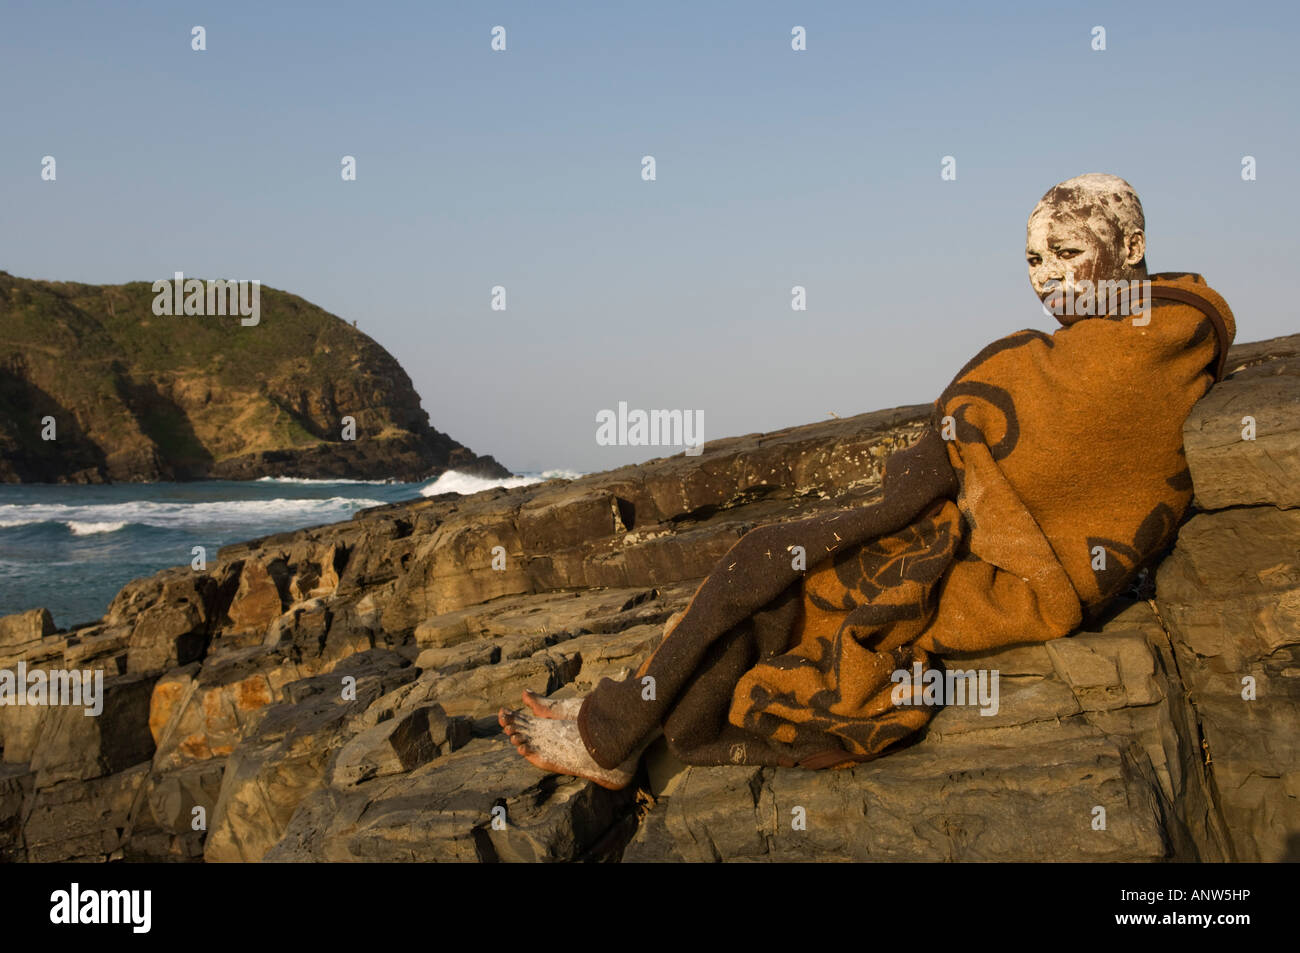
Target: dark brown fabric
(1053,470)
(746,610)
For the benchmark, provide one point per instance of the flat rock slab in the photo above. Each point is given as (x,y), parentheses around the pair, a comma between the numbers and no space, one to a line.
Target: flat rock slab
(483,803)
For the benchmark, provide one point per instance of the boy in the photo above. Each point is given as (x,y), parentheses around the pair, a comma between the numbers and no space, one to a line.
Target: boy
(1053,471)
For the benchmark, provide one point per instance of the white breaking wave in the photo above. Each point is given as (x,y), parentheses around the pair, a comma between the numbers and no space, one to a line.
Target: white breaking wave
(255,514)
(312,480)
(453,481)
(80,528)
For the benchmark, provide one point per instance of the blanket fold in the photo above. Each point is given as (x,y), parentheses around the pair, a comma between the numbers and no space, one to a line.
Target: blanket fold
(1052,471)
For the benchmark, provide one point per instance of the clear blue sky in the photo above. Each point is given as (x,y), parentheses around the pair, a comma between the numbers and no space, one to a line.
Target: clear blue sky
(775,168)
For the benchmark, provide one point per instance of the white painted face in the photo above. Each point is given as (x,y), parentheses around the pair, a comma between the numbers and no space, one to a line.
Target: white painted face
(1070,239)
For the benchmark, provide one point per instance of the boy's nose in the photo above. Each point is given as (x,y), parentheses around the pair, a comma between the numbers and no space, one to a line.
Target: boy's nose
(1044,273)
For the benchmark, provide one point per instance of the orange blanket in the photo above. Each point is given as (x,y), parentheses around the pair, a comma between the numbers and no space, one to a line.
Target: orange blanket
(1054,470)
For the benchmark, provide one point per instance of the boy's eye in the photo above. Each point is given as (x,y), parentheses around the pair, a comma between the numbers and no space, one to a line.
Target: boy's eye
(1033,259)
(1067,252)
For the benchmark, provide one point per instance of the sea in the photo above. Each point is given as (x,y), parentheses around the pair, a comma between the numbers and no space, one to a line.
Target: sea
(71,548)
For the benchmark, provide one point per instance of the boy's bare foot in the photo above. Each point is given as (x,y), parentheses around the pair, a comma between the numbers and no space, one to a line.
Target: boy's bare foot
(546,708)
(553,744)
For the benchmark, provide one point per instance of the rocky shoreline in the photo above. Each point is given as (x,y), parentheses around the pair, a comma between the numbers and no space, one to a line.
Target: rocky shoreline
(330,694)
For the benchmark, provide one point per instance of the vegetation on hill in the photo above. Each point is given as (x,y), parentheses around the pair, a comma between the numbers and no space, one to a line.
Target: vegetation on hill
(138,396)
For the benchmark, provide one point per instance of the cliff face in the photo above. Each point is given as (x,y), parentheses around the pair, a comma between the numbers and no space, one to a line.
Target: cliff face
(330,694)
(138,396)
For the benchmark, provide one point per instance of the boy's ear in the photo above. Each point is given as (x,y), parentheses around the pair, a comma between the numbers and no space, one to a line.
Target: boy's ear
(1135,248)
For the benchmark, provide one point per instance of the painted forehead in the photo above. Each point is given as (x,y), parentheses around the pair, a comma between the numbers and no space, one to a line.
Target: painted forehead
(1075,210)
(1051,225)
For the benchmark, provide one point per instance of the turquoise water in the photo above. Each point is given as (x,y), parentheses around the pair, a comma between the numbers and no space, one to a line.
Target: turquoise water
(71,548)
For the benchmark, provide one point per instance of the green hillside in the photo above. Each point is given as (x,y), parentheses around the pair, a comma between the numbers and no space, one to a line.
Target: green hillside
(139,396)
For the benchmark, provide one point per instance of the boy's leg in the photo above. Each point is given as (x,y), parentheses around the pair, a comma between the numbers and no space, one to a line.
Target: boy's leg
(547,735)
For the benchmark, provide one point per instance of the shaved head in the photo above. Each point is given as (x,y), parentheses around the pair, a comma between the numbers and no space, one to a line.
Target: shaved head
(1089,228)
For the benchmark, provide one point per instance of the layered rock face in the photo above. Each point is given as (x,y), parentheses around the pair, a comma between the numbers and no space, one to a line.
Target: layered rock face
(135,396)
(330,694)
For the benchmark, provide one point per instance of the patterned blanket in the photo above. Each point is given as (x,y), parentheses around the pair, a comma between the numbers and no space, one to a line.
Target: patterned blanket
(1052,471)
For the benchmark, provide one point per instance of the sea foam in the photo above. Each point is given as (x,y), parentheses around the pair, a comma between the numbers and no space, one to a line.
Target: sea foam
(453,481)
(314,480)
(83,528)
(96,518)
